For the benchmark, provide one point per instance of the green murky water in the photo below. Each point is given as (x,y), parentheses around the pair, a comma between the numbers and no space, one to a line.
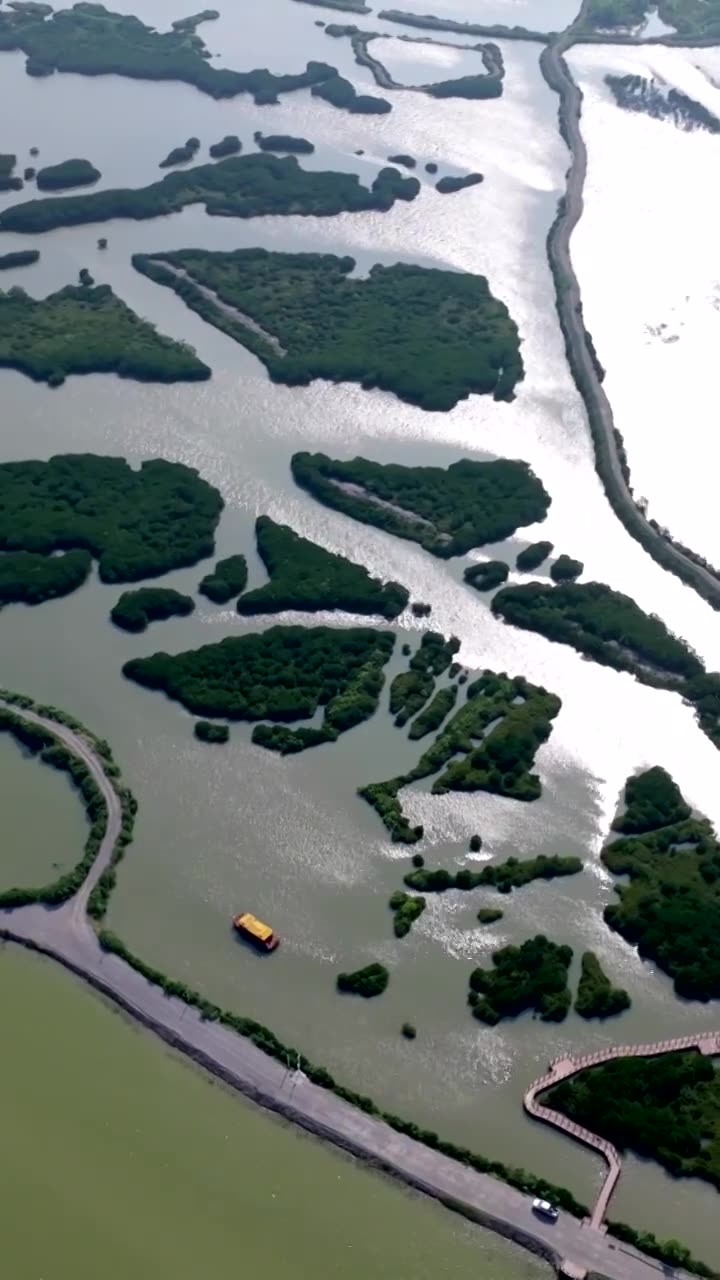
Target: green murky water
(44,824)
(120,1159)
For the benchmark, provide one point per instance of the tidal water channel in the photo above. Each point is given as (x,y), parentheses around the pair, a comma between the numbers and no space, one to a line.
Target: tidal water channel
(236,827)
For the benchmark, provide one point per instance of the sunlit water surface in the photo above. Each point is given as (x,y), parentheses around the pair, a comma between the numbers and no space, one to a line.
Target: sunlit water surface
(220,829)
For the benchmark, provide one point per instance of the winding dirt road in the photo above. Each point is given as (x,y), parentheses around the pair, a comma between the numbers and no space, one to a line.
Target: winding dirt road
(65,935)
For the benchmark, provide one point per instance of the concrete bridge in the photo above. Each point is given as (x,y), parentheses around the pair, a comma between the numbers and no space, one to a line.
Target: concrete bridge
(707,1042)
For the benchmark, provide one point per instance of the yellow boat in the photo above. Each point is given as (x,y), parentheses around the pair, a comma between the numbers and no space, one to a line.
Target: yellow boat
(261,935)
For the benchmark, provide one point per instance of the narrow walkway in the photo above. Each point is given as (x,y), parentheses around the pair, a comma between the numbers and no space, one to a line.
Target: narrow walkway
(708,1042)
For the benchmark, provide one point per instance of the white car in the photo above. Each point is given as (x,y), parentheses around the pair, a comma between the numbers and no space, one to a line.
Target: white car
(545,1209)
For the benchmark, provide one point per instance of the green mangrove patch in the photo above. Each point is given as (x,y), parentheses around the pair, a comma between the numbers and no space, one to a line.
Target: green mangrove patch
(430,719)
(135,610)
(27,578)
(666,1109)
(565,569)
(182,154)
(206,731)
(230,145)
(613,630)
(532,557)
(473,759)
(504,876)
(283,142)
(240,187)
(306,576)
(90,40)
(670,909)
(21,258)
(411,689)
(341,93)
(137,524)
(431,337)
(88,330)
(487,575)
(406,908)
(368,982)
(69,173)
(490,915)
(449,511)
(283,674)
(228,579)
(531,976)
(596,996)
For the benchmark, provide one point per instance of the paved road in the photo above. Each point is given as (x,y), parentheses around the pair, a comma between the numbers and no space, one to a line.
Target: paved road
(65,935)
(608,460)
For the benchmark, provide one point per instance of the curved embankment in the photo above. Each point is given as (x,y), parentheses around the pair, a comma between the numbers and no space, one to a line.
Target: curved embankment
(610,459)
(65,935)
(707,1042)
(360,41)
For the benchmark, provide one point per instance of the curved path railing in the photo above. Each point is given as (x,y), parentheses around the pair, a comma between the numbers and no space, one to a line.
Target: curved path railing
(707,1042)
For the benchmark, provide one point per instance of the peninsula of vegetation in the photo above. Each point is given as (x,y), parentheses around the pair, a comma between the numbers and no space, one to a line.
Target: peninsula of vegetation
(137,524)
(283,674)
(430,719)
(90,40)
(411,689)
(503,876)
(473,759)
(486,85)
(27,578)
(666,1109)
(135,610)
(82,329)
(612,629)
(307,577)
(228,579)
(596,996)
(431,337)
(69,173)
(670,909)
(531,976)
(449,511)
(240,187)
(636,93)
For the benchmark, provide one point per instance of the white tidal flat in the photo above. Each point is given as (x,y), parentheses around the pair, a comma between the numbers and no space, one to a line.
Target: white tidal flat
(647,259)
